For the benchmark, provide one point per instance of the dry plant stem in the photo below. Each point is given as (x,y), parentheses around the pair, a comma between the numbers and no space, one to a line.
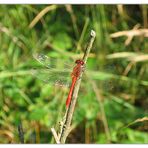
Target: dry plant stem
(131,33)
(55,135)
(138,120)
(70,110)
(41,14)
(128,68)
(8,134)
(98,95)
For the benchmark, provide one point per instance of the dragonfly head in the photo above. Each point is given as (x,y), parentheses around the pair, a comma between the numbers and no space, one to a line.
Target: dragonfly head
(81,62)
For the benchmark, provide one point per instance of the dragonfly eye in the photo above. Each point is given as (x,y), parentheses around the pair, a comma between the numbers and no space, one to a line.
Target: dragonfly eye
(79,62)
(82,62)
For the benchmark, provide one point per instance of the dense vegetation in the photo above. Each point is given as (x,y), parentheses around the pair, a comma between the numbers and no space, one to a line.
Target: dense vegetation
(116,111)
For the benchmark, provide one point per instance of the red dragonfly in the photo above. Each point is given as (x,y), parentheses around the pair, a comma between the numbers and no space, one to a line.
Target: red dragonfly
(58,76)
(75,75)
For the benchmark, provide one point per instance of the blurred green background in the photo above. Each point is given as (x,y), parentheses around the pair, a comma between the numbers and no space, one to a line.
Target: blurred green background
(112,110)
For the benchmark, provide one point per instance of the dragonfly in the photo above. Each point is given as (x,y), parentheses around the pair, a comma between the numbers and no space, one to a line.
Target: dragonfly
(57,75)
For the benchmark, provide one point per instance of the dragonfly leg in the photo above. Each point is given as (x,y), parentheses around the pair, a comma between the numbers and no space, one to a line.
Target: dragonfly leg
(83,68)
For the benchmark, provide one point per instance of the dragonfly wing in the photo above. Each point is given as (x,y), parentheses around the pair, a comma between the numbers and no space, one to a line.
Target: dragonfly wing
(50,62)
(53,76)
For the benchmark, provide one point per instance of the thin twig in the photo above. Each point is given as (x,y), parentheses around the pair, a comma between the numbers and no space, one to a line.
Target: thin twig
(70,110)
(128,68)
(130,34)
(137,120)
(41,14)
(55,135)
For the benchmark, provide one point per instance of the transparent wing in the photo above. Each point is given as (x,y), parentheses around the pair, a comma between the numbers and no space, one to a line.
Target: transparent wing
(54,71)
(61,78)
(50,62)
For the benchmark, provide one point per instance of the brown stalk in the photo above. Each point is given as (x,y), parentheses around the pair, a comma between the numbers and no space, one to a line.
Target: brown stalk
(41,14)
(130,34)
(70,110)
(66,123)
(55,135)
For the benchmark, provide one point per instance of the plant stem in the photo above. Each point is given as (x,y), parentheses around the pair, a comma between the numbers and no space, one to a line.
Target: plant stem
(70,110)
